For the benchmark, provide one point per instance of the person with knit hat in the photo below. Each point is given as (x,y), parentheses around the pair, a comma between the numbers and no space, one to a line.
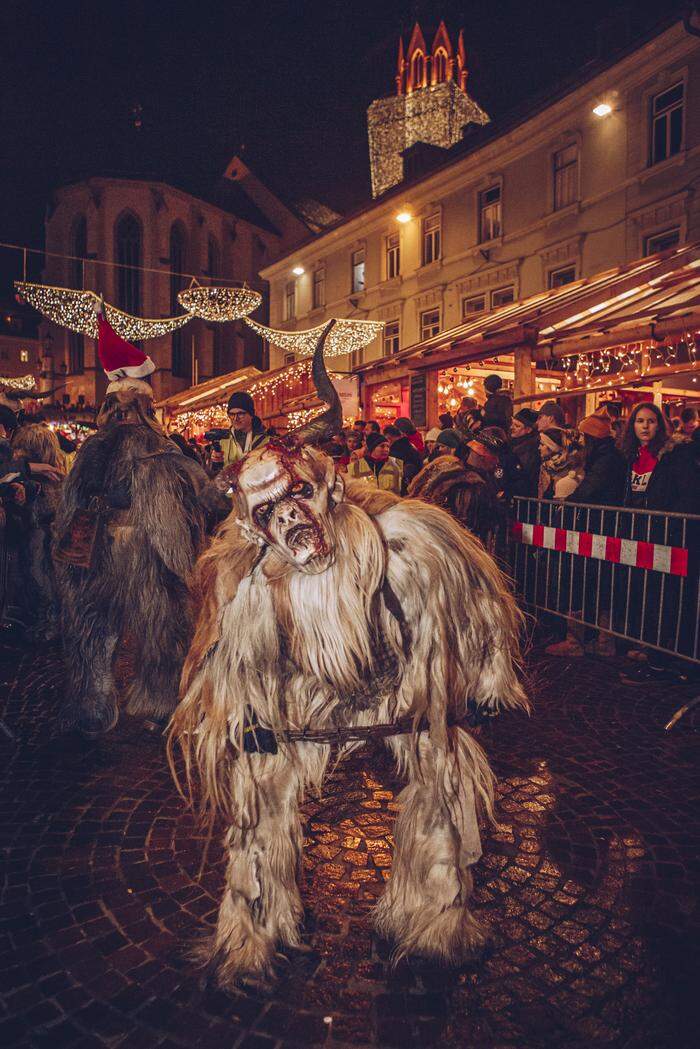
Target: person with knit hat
(604,465)
(561,454)
(377,467)
(498,410)
(430,439)
(247,430)
(525,445)
(459,478)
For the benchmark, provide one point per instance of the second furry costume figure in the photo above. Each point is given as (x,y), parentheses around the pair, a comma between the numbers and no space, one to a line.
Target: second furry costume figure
(323,606)
(132,520)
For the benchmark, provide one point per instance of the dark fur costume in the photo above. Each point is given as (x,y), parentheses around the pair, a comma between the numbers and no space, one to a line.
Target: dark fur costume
(462,491)
(158,505)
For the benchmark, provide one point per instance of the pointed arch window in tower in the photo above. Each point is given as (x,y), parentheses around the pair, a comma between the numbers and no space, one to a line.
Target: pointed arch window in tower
(128,254)
(213,260)
(440,66)
(181,360)
(418,70)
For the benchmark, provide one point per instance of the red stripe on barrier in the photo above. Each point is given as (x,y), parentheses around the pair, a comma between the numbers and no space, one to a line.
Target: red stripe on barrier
(517,530)
(538,535)
(560,539)
(585,543)
(645,555)
(679,561)
(612,549)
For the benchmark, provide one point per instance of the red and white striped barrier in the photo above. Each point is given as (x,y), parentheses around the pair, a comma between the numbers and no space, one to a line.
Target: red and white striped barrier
(634,552)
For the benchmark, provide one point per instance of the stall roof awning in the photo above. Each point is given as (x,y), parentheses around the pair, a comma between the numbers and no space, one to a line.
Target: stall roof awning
(618,305)
(213,391)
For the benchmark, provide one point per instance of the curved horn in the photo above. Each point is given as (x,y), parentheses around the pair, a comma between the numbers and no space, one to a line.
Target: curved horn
(331,421)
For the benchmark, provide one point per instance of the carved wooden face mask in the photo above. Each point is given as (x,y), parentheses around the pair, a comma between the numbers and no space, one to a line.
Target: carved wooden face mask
(285,500)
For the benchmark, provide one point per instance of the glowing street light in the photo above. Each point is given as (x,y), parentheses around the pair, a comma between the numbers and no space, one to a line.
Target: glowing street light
(298,271)
(404,216)
(603,109)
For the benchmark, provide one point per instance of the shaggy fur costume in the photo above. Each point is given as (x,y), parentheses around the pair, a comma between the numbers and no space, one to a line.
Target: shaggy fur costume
(37,443)
(157,504)
(463,492)
(323,605)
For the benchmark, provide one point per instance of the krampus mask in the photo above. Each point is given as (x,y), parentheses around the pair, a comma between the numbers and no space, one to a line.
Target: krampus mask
(284,496)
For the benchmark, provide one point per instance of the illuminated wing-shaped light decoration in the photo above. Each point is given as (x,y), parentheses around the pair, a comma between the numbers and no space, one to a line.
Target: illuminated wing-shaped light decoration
(346,337)
(76,310)
(219,304)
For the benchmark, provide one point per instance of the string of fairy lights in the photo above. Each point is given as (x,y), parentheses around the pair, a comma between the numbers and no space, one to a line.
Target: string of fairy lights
(600,366)
(75,309)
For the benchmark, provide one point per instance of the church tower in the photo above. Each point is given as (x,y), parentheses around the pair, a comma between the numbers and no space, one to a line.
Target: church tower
(431,105)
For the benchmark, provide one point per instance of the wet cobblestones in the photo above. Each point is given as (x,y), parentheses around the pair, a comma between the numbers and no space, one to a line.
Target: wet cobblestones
(589,884)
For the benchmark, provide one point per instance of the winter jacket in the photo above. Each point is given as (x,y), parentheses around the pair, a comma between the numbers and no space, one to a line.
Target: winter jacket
(604,480)
(234,448)
(386,475)
(404,450)
(527,451)
(498,411)
(674,485)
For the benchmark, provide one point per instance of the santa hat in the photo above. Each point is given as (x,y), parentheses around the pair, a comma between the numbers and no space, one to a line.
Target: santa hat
(120,359)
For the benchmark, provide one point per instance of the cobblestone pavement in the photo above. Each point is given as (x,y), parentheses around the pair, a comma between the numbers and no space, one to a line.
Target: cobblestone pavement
(589,885)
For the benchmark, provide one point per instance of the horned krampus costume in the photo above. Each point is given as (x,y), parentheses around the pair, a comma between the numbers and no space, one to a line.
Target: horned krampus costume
(323,606)
(132,520)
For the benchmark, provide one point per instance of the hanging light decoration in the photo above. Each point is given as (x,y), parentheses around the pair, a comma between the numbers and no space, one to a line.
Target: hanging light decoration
(18,382)
(75,310)
(347,336)
(219,304)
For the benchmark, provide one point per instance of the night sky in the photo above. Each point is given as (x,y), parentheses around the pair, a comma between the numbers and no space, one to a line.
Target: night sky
(287,82)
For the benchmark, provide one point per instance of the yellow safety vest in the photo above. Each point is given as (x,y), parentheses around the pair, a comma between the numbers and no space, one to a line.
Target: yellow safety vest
(389,478)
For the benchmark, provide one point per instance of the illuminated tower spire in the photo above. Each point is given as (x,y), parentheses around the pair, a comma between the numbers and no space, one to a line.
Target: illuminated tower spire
(431,105)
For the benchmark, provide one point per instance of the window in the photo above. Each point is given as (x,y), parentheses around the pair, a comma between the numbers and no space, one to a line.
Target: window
(358,270)
(669,238)
(440,66)
(182,359)
(565,177)
(289,358)
(490,214)
(418,66)
(477,304)
(429,323)
(290,301)
(319,288)
(666,136)
(564,275)
(431,238)
(24,356)
(393,256)
(502,296)
(391,338)
(76,342)
(128,256)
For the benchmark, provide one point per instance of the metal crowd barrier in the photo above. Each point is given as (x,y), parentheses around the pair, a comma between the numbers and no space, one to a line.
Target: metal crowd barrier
(634,574)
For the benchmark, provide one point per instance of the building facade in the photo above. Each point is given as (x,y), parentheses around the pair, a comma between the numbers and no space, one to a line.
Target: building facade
(603,174)
(139,243)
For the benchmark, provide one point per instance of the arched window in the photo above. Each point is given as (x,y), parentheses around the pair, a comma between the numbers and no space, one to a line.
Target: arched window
(213,260)
(76,343)
(128,251)
(182,362)
(417,69)
(440,66)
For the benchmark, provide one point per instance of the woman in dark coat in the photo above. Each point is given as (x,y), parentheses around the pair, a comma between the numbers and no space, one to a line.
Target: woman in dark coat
(605,468)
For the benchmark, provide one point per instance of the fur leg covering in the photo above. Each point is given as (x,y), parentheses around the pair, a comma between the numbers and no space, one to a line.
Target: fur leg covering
(261,904)
(89,646)
(425,907)
(161,630)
